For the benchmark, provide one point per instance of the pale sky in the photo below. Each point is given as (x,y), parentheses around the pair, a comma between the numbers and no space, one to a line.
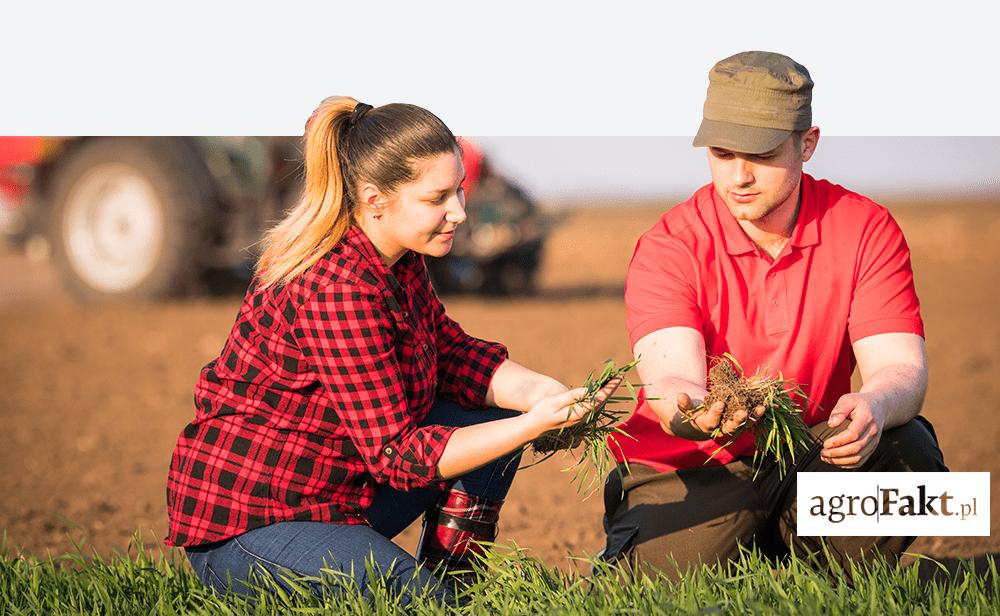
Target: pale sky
(567,169)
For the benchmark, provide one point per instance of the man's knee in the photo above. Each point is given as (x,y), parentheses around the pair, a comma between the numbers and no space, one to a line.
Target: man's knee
(843,552)
(828,551)
(912,446)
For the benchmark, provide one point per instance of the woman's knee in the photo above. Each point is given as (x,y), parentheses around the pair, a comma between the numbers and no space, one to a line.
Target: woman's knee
(448,413)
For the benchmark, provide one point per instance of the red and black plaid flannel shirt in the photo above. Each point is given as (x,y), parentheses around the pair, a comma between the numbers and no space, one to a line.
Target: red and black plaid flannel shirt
(318,394)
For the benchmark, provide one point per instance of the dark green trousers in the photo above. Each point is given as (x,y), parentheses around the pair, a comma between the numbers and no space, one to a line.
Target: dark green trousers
(656,520)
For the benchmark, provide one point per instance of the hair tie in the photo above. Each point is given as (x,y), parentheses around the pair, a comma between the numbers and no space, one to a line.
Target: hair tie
(359,112)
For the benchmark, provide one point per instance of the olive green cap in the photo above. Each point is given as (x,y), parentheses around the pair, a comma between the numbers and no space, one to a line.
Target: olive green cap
(755,100)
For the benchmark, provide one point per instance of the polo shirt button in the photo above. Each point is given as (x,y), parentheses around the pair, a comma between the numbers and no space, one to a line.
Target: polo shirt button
(774,302)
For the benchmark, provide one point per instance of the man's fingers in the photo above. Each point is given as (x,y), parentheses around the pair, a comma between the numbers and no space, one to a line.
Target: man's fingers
(853,460)
(841,411)
(734,423)
(849,449)
(850,434)
(868,450)
(709,420)
(852,447)
(684,402)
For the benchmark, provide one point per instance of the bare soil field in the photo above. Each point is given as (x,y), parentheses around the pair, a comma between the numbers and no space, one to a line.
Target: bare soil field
(92,397)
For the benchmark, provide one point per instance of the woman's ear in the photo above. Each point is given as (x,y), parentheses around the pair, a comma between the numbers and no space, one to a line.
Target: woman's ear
(373,200)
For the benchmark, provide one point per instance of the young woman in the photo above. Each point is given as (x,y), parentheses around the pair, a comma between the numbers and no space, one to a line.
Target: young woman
(346,403)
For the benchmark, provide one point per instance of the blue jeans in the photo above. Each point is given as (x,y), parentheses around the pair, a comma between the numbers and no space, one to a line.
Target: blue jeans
(302,549)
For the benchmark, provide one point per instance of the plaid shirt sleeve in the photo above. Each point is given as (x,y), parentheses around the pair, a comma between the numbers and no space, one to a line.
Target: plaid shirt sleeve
(346,334)
(465,364)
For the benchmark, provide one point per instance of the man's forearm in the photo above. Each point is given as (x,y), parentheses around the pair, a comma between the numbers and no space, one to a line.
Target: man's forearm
(898,391)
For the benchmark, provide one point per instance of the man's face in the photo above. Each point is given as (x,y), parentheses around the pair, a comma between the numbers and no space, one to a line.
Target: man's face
(754,186)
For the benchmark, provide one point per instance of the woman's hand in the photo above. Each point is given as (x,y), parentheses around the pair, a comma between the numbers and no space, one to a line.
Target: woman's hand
(518,388)
(545,387)
(565,409)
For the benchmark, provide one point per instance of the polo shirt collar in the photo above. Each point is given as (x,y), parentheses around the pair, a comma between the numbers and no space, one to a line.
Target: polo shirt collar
(804,233)
(736,240)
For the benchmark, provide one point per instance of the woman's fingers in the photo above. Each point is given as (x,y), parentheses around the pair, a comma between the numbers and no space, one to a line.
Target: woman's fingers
(577,408)
(609,389)
(568,397)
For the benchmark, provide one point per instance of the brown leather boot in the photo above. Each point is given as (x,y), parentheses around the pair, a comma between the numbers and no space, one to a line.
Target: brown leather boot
(452,526)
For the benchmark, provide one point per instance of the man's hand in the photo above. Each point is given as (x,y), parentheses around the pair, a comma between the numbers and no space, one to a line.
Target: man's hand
(708,419)
(852,447)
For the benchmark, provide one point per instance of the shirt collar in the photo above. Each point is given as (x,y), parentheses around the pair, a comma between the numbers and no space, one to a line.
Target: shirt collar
(359,241)
(804,233)
(356,239)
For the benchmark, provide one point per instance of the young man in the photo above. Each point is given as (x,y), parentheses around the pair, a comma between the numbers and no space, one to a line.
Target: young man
(785,272)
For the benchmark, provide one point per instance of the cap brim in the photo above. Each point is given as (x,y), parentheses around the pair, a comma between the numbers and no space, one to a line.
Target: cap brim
(739,137)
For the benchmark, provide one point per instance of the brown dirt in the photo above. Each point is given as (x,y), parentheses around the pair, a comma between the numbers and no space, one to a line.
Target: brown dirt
(92,398)
(725,384)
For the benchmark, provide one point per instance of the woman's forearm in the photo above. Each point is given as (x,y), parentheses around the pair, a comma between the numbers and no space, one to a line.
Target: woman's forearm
(470,447)
(518,388)
(473,446)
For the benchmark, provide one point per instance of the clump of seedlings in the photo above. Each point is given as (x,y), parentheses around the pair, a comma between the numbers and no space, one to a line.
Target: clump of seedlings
(779,434)
(595,433)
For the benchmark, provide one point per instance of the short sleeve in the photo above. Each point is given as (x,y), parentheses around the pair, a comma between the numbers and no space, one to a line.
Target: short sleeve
(884,299)
(346,336)
(660,286)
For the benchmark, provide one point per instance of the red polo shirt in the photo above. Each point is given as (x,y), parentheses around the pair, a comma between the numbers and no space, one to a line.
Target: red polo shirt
(844,274)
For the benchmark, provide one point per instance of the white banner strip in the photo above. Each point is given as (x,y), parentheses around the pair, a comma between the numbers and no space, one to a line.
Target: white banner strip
(893,504)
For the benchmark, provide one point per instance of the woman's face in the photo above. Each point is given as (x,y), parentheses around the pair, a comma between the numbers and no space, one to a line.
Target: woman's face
(422,215)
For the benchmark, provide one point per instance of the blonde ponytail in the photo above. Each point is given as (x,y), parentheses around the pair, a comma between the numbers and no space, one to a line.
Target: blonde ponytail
(381,145)
(322,215)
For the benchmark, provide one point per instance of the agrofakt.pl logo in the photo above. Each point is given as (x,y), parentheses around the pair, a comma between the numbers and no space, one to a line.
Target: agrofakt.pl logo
(880,504)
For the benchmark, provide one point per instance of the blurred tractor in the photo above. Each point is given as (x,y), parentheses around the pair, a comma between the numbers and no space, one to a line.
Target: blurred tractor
(157,216)
(498,249)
